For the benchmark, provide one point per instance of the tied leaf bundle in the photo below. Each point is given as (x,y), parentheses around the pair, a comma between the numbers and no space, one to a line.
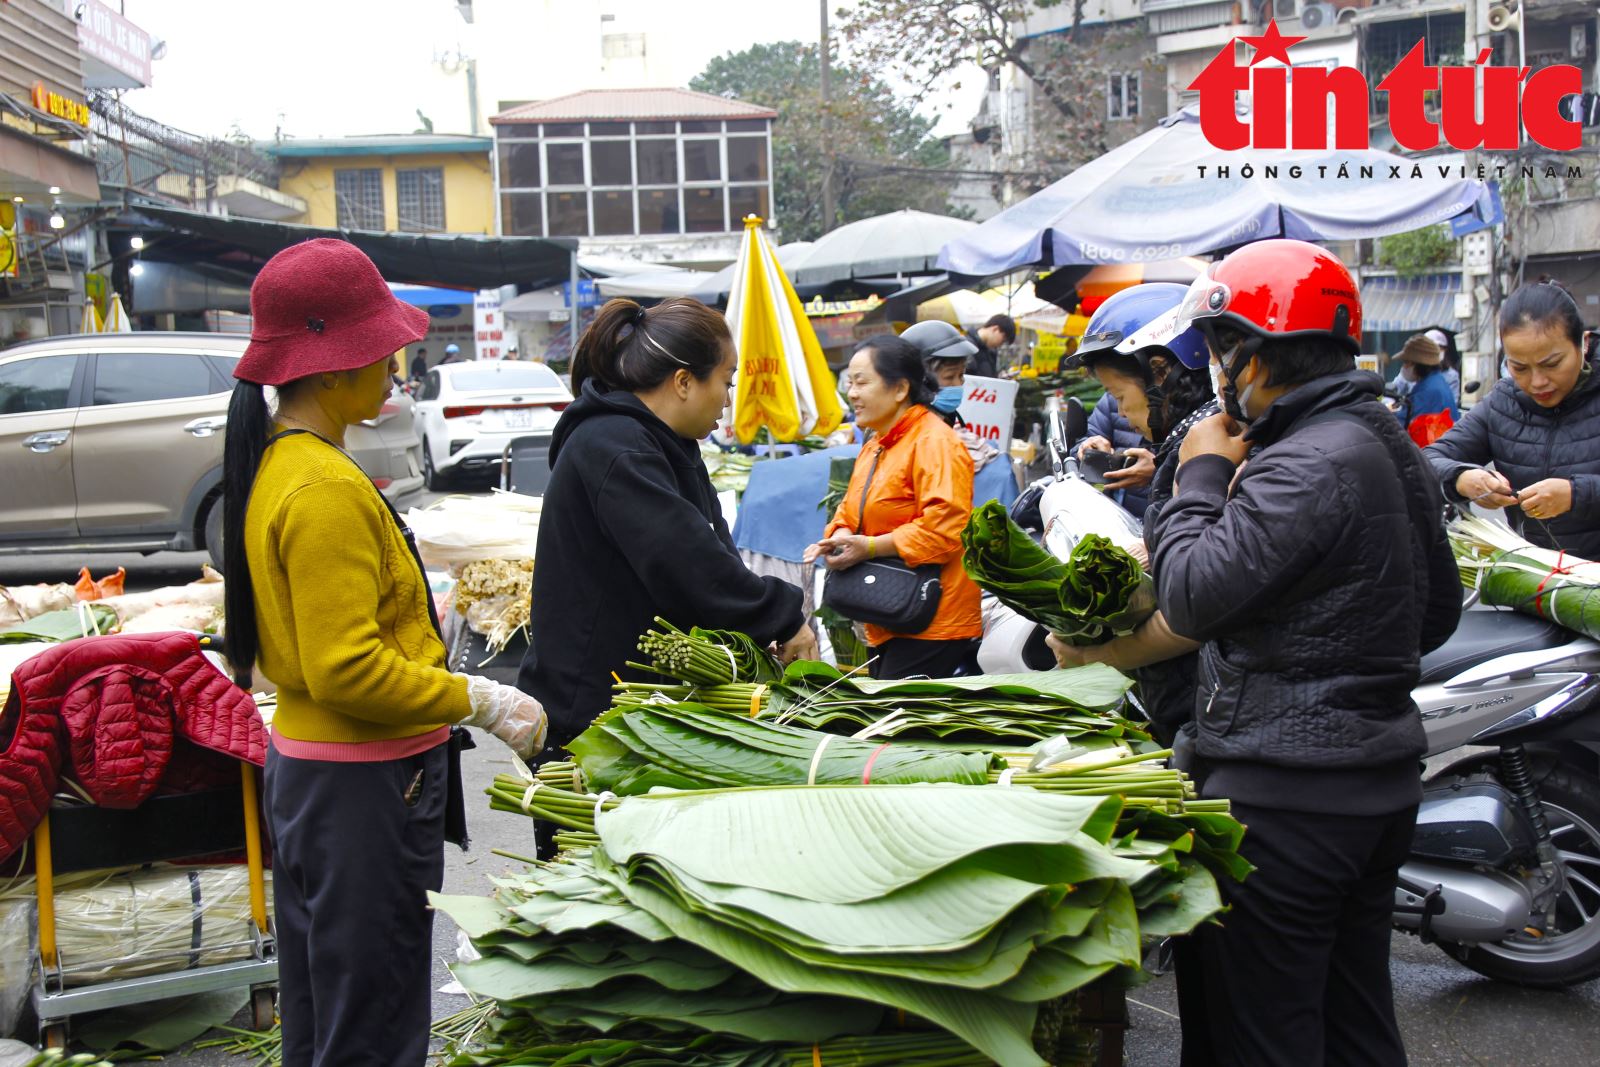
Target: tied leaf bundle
(1511,572)
(1078,703)
(1100,592)
(706,657)
(632,750)
(794,916)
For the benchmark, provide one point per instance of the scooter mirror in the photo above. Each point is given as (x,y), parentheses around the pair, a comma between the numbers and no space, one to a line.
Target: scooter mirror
(1074,422)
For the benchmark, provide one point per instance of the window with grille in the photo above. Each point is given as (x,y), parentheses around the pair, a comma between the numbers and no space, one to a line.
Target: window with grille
(1122,96)
(419,195)
(359,197)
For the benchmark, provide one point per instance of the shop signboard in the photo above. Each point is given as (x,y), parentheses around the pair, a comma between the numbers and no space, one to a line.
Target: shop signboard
(989,409)
(487,328)
(116,53)
(588,293)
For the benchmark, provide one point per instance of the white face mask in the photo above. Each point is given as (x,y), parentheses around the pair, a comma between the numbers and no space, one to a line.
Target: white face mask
(1217,381)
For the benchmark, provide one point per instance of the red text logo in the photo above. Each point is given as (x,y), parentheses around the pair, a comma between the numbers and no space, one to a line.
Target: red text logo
(1513,99)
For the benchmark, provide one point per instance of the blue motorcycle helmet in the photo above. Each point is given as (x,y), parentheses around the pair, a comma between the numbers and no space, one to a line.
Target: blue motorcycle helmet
(1121,328)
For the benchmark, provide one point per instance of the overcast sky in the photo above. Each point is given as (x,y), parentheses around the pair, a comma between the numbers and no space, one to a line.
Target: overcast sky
(329,68)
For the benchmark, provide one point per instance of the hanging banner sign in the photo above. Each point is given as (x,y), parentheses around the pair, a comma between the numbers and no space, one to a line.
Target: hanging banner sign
(989,409)
(487,328)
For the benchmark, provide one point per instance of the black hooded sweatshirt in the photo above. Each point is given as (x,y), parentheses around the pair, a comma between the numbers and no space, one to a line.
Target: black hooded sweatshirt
(631,529)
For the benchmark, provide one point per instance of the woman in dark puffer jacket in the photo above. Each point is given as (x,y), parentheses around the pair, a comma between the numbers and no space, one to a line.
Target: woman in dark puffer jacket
(1163,390)
(1540,428)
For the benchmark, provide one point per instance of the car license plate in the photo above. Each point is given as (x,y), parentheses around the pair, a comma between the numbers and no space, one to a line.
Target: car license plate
(517,419)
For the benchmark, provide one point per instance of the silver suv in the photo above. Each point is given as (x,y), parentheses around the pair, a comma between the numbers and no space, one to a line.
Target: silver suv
(113,442)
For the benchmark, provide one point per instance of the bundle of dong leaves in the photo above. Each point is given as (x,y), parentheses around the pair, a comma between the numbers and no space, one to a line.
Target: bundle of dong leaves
(1100,592)
(915,924)
(1079,703)
(1511,572)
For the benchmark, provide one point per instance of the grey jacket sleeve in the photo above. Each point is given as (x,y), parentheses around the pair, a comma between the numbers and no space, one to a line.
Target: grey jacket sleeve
(1465,446)
(1221,561)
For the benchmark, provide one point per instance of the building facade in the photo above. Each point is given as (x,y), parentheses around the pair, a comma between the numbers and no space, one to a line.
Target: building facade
(656,175)
(405,183)
(47,177)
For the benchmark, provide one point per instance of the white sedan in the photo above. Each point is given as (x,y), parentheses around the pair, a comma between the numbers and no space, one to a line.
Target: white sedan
(467,413)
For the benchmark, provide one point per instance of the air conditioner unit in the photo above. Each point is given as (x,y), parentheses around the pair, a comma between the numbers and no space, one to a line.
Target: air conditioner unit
(1503,18)
(1580,41)
(1316,16)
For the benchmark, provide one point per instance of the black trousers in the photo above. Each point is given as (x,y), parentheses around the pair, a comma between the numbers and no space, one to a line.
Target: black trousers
(911,657)
(1297,975)
(356,848)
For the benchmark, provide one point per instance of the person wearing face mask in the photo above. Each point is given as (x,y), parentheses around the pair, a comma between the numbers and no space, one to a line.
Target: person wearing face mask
(326,593)
(1540,428)
(945,350)
(1163,390)
(910,496)
(631,527)
(1314,578)
(1429,393)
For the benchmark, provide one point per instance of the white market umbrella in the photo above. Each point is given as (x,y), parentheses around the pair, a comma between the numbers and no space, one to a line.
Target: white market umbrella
(116,317)
(90,323)
(901,242)
(1147,200)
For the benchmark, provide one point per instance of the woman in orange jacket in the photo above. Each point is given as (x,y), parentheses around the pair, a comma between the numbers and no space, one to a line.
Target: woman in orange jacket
(917,505)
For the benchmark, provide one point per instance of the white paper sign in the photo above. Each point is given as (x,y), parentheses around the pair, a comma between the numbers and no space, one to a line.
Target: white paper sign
(989,409)
(487,329)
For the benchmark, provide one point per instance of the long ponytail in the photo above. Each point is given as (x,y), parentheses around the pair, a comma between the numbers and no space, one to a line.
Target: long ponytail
(249,427)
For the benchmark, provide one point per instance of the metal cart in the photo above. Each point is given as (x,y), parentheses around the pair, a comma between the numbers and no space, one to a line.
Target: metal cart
(163,828)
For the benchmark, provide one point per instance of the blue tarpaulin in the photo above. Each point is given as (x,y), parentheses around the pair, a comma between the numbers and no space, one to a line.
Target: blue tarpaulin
(779,515)
(1168,193)
(427,296)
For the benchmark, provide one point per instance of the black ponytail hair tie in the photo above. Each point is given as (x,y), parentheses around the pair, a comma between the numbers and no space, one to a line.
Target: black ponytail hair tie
(638,316)
(316,325)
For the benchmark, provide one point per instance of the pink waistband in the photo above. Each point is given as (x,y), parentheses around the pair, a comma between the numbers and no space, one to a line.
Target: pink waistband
(360,751)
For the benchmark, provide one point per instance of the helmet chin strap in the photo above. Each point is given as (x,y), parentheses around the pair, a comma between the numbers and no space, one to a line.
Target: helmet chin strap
(1232,402)
(1155,398)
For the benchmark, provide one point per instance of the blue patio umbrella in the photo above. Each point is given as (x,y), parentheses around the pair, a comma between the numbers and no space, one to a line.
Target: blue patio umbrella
(1168,193)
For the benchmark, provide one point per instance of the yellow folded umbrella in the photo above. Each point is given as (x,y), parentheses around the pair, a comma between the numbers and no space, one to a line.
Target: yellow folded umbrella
(90,322)
(784,383)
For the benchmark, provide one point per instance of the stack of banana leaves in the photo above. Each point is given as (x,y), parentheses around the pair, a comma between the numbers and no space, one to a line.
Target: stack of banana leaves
(1100,592)
(737,890)
(921,923)
(1081,702)
(1511,572)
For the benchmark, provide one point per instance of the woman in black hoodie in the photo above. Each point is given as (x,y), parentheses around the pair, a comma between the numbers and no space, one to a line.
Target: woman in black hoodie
(631,528)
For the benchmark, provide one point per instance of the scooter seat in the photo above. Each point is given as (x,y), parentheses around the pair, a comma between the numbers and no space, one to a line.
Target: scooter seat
(1485,635)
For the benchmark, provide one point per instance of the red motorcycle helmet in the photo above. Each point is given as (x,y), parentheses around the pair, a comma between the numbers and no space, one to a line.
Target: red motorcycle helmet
(1274,290)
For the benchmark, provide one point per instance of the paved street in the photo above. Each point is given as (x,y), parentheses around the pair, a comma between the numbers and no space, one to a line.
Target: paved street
(1450,1016)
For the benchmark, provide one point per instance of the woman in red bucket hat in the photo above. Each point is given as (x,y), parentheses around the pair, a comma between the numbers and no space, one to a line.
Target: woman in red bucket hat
(326,593)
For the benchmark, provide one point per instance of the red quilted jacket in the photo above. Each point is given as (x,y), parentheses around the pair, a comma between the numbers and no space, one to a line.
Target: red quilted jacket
(130,716)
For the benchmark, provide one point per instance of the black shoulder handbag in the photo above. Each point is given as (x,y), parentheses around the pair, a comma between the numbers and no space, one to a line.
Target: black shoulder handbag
(884,592)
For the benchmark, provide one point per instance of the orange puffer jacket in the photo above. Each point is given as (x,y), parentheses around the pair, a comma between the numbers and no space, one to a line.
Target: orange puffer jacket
(922,495)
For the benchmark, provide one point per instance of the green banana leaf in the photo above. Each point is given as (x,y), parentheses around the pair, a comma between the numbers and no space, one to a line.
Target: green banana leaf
(1100,592)
(1527,585)
(68,624)
(632,750)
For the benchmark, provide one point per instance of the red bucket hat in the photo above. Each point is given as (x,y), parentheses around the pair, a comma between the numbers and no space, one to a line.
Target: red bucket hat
(322,306)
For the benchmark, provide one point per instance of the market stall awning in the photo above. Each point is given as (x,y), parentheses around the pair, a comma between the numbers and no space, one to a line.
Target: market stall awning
(1170,193)
(427,296)
(1391,304)
(469,261)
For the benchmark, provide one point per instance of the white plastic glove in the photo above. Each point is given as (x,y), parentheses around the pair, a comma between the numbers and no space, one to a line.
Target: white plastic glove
(508,713)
